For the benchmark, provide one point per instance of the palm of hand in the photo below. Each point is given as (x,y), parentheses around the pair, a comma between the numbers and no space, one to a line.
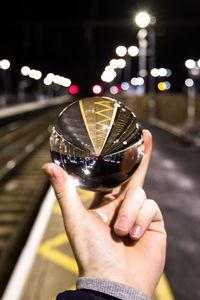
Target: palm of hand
(111,253)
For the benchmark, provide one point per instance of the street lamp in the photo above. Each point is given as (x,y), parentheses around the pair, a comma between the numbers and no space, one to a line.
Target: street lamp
(146,39)
(142,20)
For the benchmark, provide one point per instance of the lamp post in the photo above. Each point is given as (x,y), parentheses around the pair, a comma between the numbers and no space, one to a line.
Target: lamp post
(146,41)
(142,20)
(193,68)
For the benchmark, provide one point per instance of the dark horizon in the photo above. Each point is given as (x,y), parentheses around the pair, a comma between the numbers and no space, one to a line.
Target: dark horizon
(77,41)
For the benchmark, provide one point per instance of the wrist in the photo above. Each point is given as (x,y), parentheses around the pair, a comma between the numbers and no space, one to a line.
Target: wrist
(110,287)
(132,281)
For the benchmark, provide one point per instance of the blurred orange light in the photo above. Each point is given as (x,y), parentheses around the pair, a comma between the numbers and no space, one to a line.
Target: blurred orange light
(161,86)
(73,89)
(97,89)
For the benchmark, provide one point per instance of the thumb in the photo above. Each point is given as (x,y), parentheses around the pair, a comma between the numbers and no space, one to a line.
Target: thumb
(65,190)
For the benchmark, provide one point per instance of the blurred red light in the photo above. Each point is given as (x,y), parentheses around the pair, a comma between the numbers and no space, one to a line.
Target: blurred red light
(97,89)
(73,89)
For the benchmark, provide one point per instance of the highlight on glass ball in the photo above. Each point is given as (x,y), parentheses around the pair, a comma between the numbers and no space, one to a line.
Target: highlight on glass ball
(98,141)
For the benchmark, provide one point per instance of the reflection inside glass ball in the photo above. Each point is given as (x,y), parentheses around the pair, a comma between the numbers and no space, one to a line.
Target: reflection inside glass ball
(98,141)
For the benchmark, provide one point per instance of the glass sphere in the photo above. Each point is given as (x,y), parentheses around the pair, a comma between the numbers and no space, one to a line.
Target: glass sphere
(98,141)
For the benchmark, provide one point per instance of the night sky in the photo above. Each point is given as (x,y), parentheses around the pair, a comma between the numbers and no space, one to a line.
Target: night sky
(77,39)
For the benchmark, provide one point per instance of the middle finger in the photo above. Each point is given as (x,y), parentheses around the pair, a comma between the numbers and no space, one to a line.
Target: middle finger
(128,210)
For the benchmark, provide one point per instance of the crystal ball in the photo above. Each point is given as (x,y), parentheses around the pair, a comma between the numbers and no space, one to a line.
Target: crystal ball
(98,141)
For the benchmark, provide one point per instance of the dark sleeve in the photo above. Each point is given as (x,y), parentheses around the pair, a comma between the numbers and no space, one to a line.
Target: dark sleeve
(84,294)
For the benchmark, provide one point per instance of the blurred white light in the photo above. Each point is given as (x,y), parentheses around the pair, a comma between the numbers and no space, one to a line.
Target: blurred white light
(142,19)
(114,63)
(190,63)
(162,72)
(195,71)
(134,81)
(137,81)
(140,81)
(121,51)
(57,79)
(50,76)
(114,90)
(32,73)
(25,70)
(143,43)
(60,80)
(121,63)
(155,72)
(142,34)
(133,51)
(169,73)
(125,86)
(167,85)
(47,81)
(109,68)
(143,73)
(108,76)
(198,63)
(38,75)
(66,82)
(5,64)
(189,82)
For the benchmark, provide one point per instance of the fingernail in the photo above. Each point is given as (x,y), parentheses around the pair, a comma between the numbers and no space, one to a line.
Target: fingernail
(122,224)
(136,231)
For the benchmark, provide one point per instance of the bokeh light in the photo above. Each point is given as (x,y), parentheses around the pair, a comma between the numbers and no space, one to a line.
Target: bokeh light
(133,51)
(114,89)
(121,51)
(25,70)
(142,19)
(5,64)
(190,63)
(97,89)
(125,86)
(73,89)
(189,82)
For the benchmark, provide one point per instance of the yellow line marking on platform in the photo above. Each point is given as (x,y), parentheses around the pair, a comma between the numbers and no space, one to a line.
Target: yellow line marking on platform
(72,287)
(56,209)
(85,196)
(163,290)
(47,250)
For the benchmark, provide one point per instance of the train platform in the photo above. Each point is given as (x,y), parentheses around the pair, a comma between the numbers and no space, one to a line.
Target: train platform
(32,106)
(47,266)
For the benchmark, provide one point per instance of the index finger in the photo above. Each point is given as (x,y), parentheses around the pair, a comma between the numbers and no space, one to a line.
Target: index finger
(137,179)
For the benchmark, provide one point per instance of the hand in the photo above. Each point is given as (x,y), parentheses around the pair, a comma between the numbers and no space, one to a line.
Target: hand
(122,236)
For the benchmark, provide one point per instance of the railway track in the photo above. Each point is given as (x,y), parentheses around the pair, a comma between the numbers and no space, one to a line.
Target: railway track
(24,148)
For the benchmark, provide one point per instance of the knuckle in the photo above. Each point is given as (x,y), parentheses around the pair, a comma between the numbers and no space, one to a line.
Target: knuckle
(59,195)
(139,192)
(153,204)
